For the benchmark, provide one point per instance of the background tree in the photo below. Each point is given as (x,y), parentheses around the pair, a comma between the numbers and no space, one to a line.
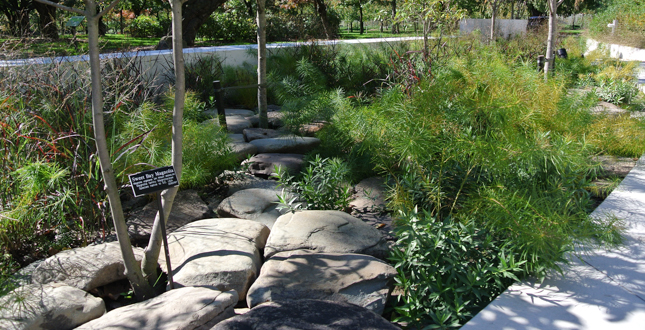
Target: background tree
(17,13)
(47,19)
(195,13)
(321,9)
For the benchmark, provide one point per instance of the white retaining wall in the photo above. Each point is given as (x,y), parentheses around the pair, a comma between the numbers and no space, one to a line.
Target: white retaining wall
(624,53)
(503,27)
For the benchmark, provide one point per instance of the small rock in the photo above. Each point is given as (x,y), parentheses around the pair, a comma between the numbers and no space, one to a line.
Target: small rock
(85,268)
(354,278)
(264,164)
(252,204)
(251,134)
(275,119)
(286,144)
(307,314)
(311,129)
(255,120)
(370,195)
(50,306)
(183,308)
(221,253)
(186,208)
(324,231)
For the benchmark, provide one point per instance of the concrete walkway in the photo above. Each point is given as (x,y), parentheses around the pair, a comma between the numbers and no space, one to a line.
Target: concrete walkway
(603,290)
(641,77)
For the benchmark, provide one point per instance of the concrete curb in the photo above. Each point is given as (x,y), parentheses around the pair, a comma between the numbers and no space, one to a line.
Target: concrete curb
(605,289)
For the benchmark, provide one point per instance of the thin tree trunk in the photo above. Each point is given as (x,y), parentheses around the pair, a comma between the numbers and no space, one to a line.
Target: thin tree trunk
(513,9)
(492,20)
(321,9)
(47,20)
(151,253)
(360,17)
(426,27)
(395,26)
(548,66)
(262,65)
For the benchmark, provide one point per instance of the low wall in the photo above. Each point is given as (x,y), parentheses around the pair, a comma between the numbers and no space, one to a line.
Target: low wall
(158,63)
(503,27)
(624,53)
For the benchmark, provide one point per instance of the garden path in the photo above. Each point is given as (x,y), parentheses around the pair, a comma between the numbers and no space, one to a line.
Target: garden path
(604,289)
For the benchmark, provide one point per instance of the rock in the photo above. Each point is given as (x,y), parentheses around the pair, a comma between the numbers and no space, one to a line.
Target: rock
(275,119)
(50,306)
(243,150)
(239,112)
(252,204)
(183,308)
(311,129)
(354,278)
(370,195)
(237,124)
(286,144)
(264,164)
(186,208)
(251,134)
(324,231)
(237,181)
(618,166)
(84,268)
(236,138)
(306,314)
(379,220)
(221,253)
(255,120)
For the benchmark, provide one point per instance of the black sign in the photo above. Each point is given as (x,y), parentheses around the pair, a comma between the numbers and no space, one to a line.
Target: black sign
(154,180)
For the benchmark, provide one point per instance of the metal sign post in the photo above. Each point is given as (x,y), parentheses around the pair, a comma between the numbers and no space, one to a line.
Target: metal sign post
(154,181)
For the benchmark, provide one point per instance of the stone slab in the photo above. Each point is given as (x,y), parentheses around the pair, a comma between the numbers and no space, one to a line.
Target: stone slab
(252,204)
(264,164)
(178,309)
(290,144)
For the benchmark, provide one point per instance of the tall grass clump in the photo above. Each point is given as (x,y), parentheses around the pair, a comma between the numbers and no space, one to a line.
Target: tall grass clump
(488,164)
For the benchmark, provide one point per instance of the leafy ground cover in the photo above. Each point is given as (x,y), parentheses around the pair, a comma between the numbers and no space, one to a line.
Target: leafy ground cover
(630,31)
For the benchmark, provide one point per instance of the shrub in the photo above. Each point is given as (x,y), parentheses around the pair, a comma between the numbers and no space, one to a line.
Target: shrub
(148,26)
(630,15)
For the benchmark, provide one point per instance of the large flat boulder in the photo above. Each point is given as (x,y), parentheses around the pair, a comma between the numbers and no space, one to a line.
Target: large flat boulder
(237,124)
(290,144)
(252,204)
(324,231)
(84,268)
(354,278)
(307,314)
(239,180)
(264,164)
(49,306)
(251,134)
(221,253)
(186,208)
(242,150)
(183,308)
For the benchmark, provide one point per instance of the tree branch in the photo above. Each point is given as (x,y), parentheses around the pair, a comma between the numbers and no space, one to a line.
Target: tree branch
(59,6)
(114,3)
(558,4)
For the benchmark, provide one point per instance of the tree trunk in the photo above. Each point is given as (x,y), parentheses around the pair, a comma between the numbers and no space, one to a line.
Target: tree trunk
(151,253)
(321,9)
(492,20)
(548,66)
(381,29)
(47,20)
(395,26)
(262,65)
(195,13)
(141,288)
(513,9)
(426,48)
(360,17)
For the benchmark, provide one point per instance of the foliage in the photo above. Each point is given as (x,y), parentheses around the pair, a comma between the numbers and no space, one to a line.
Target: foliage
(448,270)
(630,15)
(229,26)
(148,26)
(323,186)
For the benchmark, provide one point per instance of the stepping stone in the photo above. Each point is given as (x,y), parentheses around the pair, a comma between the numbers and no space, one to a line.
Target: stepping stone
(85,268)
(242,150)
(230,112)
(183,308)
(264,164)
(311,129)
(324,231)
(307,314)
(235,124)
(251,134)
(236,138)
(252,204)
(370,195)
(619,166)
(186,208)
(275,119)
(50,306)
(354,278)
(237,181)
(286,144)
(255,120)
(221,253)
